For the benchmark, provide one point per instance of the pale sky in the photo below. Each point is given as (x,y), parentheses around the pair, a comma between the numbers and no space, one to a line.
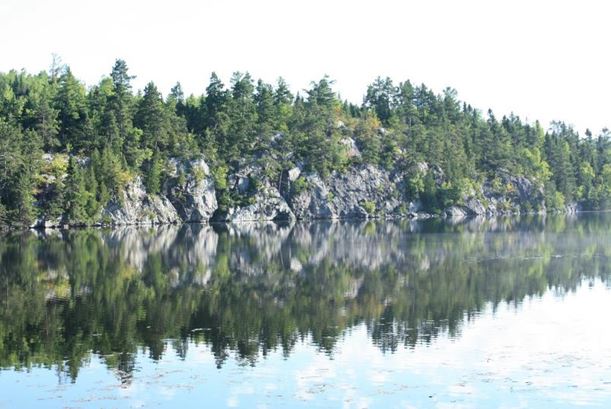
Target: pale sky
(542,60)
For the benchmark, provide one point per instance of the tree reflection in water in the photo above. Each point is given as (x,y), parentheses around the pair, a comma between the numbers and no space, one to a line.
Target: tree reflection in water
(247,290)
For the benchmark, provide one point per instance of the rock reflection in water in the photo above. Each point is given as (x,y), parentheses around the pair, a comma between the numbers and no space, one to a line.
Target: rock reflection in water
(248,289)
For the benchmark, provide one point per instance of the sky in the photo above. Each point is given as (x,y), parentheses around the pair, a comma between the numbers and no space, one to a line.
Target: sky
(545,60)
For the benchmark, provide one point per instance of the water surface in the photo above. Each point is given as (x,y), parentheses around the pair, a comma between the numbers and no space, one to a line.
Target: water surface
(499,313)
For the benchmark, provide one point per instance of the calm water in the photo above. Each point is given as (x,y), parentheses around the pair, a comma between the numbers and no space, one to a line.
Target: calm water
(505,313)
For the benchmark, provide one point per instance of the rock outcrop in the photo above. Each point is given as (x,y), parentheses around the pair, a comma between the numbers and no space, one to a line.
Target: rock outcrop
(260,199)
(267,205)
(187,196)
(194,197)
(136,206)
(362,192)
(456,212)
(507,194)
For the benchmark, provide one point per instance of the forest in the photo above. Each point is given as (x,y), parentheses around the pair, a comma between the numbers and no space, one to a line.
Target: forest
(67,149)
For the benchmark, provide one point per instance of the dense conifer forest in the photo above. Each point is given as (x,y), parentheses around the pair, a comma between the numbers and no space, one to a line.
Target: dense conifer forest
(67,149)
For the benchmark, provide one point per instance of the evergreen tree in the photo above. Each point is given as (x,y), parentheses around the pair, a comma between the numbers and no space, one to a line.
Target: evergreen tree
(71,103)
(242,116)
(381,98)
(214,112)
(19,163)
(118,118)
(112,137)
(76,194)
(151,118)
(153,175)
(266,115)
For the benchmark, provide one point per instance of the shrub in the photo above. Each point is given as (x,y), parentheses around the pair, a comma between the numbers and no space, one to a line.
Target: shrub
(300,185)
(219,175)
(369,206)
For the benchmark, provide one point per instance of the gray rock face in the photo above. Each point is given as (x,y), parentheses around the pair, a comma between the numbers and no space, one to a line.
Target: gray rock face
(46,223)
(195,199)
(351,149)
(520,195)
(516,194)
(313,203)
(475,207)
(362,192)
(138,207)
(293,174)
(190,200)
(268,205)
(263,201)
(456,212)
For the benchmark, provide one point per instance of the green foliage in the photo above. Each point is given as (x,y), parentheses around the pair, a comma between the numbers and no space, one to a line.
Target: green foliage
(77,196)
(198,174)
(369,207)
(219,175)
(118,135)
(19,164)
(300,185)
(415,185)
(153,175)
(554,200)
(73,118)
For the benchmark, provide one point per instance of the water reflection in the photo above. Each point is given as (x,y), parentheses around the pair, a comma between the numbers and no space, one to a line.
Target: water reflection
(251,289)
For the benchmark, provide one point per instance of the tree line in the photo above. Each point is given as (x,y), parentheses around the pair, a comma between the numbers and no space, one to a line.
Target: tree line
(103,136)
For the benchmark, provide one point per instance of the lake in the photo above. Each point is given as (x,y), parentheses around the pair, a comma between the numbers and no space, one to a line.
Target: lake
(507,313)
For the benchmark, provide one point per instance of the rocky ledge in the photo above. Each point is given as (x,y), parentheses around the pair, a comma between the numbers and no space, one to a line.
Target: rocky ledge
(361,192)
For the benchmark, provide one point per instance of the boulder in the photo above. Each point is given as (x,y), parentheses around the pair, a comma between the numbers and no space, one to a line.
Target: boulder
(293,174)
(351,149)
(46,223)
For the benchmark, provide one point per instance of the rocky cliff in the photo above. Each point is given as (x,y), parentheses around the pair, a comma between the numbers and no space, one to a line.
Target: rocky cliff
(511,195)
(360,192)
(261,198)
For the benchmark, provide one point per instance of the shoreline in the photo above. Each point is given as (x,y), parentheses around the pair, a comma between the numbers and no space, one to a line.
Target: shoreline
(430,217)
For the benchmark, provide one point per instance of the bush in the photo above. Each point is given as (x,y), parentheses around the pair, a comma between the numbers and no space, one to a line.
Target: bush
(369,206)
(300,185)
(415,185)
(219,175)
(199,174)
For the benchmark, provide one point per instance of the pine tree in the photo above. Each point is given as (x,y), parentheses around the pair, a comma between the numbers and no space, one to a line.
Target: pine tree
(153,175)
(118,121)
(71,103)
(151,118)
(214,112)
(76,194)
(242,115)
